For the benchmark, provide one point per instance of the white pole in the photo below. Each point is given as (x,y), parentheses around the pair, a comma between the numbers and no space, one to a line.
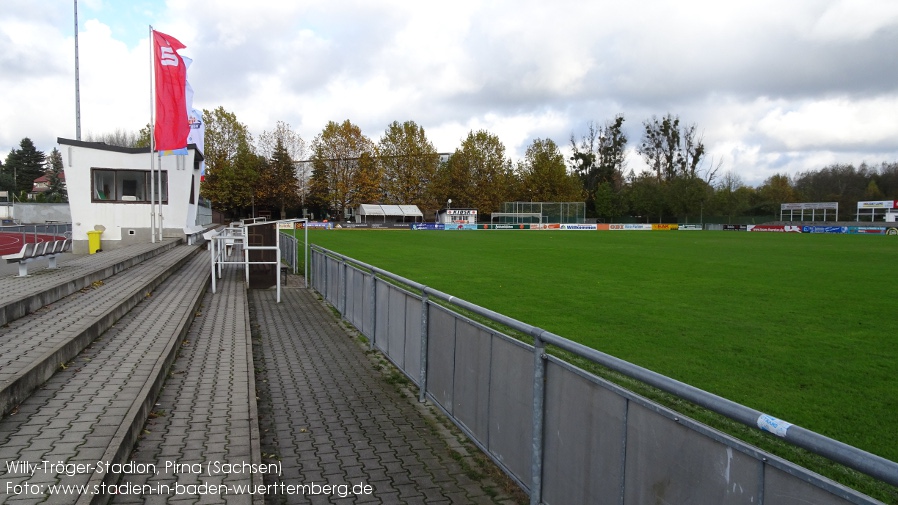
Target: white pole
(152,139)
(77,84)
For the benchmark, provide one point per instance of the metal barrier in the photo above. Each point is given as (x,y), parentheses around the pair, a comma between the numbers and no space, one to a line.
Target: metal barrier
(564,434)
(49,228)
(225,248)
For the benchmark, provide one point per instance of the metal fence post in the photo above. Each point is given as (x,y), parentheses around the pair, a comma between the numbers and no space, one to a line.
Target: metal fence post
(539,388)
(423,376)
(324,260)
(373,305)
(343,282)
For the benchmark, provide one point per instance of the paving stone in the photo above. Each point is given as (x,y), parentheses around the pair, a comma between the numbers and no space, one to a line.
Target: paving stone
(328,411)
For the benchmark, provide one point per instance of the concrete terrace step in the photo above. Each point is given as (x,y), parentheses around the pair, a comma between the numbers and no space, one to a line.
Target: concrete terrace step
(89,415)
(23,295)
(33,347)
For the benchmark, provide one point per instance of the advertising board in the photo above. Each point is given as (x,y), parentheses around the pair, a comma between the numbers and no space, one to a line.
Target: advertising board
(824,229)
(774,228)
(591,227)
(631,226)
(867,230)
(735,227)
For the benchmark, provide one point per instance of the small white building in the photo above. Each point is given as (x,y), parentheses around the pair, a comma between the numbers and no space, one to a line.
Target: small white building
(109,189)
(457,216)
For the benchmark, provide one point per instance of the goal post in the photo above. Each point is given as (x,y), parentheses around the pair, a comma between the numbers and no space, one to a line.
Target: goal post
(516,218)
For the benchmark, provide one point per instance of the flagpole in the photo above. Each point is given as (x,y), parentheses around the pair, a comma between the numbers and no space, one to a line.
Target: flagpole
(152,140)
(77,83)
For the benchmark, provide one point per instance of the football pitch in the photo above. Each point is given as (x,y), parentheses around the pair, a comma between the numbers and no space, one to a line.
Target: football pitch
(801,327)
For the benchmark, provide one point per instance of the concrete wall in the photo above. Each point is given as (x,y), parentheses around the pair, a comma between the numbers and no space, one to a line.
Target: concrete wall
(40,213)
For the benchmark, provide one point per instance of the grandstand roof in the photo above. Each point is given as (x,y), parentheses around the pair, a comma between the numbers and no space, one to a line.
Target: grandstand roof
(368,209)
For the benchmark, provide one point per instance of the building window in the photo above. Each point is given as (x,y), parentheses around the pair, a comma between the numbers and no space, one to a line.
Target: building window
(124,186)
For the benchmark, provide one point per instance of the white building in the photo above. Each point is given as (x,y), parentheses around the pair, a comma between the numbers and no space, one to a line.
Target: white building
(109,189)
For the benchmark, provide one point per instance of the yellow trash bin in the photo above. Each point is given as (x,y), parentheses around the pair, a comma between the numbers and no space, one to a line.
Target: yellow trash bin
(93,241)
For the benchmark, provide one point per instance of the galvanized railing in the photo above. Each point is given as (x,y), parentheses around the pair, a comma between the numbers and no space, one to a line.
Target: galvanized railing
(563,434)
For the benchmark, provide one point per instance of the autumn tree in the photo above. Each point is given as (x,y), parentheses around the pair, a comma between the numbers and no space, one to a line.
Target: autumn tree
(409,164)
(278,185)
(775,191)
(732,197)
(296,149)
(478,174)
(672,150)
(600,158)
(544,175)
(337,174)
(645,196)
(232,166)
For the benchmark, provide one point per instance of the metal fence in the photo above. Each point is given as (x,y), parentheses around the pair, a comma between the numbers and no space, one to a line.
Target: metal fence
(564,434)
(33,230)
(552,212)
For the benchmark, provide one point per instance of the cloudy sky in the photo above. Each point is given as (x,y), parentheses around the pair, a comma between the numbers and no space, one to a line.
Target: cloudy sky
(773,86)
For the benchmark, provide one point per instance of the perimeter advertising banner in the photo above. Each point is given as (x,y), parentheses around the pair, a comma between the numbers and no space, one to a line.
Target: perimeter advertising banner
(774,228)
(690,227)
(872,230)
(634,227)
(426,226)
(664,227)
(589,227)
(824,229)
(735,227)
(505,226)
(456,226)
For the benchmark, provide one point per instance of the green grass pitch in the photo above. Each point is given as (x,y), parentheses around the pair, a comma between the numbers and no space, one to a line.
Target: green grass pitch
(802,327)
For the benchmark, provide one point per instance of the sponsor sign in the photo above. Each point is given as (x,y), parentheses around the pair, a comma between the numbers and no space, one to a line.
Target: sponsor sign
(689,227)
(462,212)
(426,226)
(734,227)
(824,229)
(867,230)
(664,227)
(774,228)
(591,227)
(878,204)
(324,226)
(506,227)
(456,226)
(630,227)
(810,206)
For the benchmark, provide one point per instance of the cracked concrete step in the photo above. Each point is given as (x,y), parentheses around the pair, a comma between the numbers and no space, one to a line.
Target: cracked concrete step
(33,347)
(93,411)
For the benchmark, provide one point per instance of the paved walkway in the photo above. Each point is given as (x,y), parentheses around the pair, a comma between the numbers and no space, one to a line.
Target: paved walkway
(336,415)
(205,418)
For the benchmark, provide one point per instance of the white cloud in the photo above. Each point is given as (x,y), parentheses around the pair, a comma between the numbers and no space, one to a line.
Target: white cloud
(773,86)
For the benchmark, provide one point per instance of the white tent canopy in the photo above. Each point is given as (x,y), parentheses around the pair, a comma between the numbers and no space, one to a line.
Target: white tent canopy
(388,211)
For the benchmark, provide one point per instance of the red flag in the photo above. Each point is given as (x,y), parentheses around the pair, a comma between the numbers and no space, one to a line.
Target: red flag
(171,128)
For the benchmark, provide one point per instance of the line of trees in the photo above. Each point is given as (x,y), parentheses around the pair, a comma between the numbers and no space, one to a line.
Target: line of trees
(342,168)
(27,163)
